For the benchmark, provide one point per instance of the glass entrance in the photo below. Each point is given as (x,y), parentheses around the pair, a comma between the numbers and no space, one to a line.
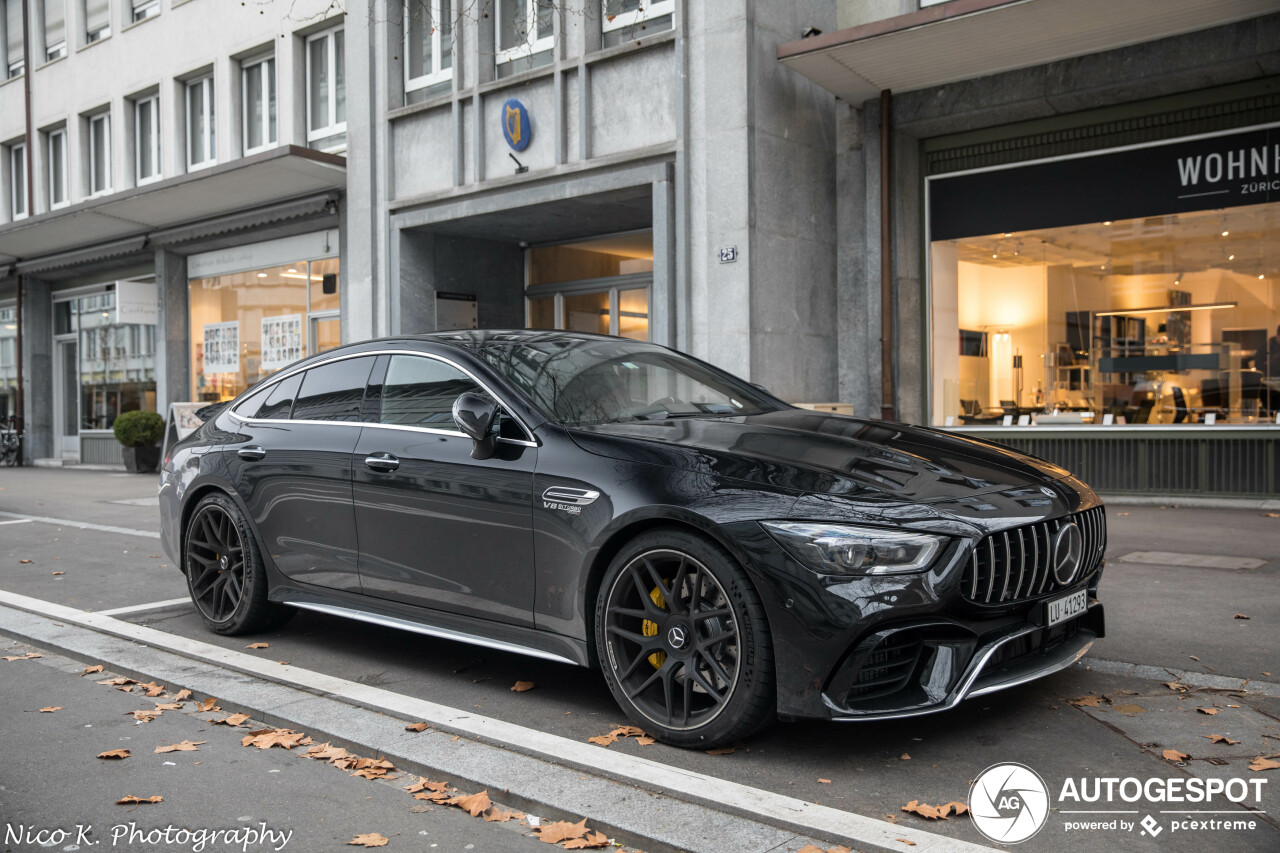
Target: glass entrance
(67,400)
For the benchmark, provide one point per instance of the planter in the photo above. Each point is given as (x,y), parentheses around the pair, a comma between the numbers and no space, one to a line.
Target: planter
(142,460)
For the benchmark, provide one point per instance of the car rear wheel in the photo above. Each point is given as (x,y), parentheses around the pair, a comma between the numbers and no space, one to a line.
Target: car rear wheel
(225,575)
(682,638)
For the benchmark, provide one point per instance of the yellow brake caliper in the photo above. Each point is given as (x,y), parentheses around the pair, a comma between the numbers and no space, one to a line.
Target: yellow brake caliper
(650,629)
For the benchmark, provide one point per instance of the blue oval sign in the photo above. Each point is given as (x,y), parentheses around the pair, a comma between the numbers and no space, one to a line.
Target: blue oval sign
(515,124)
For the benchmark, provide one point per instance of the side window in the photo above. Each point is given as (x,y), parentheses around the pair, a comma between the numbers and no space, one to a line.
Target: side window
(421,391)
(273,402)
(333,392)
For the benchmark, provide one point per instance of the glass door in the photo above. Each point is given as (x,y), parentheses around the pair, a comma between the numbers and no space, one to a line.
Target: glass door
(67,400)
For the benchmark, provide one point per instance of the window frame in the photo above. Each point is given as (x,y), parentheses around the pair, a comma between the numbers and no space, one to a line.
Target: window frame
(59,133)
(209,114)
(268,115)
(384,383)
(649,10)
(141,10)
(18,195)
(100,34)
(105,118)
(532,45)
(437,74)
(56,49)
(334,128)
(152,102)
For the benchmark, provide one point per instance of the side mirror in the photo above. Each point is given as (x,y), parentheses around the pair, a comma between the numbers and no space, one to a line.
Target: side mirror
(475,414)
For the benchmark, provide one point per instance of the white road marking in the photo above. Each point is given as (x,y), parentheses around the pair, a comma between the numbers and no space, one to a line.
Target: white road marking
(17,521)
(688,784)
(83,525)
(151,500)
(138,608)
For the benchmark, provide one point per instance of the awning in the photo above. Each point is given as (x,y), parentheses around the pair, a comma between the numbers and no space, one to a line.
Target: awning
(106,226)
(964,39)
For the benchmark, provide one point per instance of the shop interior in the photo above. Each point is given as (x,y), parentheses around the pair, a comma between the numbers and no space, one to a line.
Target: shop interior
(1160,320)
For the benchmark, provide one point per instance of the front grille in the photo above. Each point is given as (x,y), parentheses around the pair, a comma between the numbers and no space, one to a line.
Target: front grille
(887,668)
(1017,564)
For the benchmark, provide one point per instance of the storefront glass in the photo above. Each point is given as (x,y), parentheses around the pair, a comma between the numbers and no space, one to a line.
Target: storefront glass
(8,361)
(245,326)
(105,367)
(601,285)
(1167,319)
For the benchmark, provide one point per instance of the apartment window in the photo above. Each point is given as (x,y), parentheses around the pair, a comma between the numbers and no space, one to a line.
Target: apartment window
(57,164)
(628,20)
(13,38)
(326,92)
(146,135)
(258,81)
(18,180)
(428,44)
(55,29)
(201,141)
(525,32)
(143,9)
(97,20)
(99,153)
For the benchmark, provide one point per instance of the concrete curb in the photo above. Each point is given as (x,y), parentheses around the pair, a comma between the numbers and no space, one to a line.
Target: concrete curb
(1195,679)
(1190,501)
(636,799)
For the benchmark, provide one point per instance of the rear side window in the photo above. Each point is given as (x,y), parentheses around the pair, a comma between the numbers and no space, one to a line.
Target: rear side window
(333,392)
(273,402)
(421,391)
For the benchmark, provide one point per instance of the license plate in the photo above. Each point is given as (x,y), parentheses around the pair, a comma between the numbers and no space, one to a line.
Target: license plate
(1062,609)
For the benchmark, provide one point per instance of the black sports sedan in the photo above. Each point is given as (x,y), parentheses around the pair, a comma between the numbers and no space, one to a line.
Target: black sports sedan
(723,557)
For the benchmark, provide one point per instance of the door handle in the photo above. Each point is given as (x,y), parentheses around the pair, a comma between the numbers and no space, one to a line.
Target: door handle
(253,453)
(384,462)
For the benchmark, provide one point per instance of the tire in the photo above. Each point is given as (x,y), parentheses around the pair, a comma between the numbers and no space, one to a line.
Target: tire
(683,641)
(226,578)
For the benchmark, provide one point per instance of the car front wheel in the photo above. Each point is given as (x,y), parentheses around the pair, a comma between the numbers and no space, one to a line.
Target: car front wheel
(683,641)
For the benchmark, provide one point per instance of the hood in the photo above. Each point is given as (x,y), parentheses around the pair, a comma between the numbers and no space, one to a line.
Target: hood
(820,453)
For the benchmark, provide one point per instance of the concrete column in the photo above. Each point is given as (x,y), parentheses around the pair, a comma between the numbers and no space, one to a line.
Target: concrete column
(173,331)
(37,360)
(415,294)
(662,297)
(857,260)
(364,303)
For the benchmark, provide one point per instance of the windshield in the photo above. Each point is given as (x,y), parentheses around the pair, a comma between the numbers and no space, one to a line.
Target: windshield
(586,382)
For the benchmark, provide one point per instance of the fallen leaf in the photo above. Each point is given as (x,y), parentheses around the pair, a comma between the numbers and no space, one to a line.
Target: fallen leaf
(1272,514)
(371,839)
(208,704)
(1129,709)
(722,750)
(1089,701)
(956,808)
(131,800)
(425,784)
(151,688)
(169,706)
(1221,739)
(327,752)
(522,686)
(1260,763)
(825,781)
(144,716)
(497,815)
(591,839)
(24,561)
(1209,711)
(267,738)
(644,741)
(1174,755)
(811,848)
(114,753)
(1174,685)
(619,732)
(925,811)
(90,670)
(473,804)
(233,720)
(185,746)
(603,740)
(562,830)
(27,656)
(1239,616)
(183,695)
(440,797)
(1193,657)
(912,843)
(119,681)
(904,757)
(55,574)
(258,646)
(50,709)
(416,727)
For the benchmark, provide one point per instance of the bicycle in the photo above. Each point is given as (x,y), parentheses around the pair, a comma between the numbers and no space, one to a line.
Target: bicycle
(10,441)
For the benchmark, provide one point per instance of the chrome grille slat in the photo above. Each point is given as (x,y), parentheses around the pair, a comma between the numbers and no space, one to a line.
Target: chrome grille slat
(1028,569)
(991,566)
(1022,562)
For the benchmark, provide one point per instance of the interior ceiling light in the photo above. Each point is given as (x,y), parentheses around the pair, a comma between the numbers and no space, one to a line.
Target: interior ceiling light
(1108,222)
(290,269)
(1231,257)
(262,275)
(1226,233)
(1168,309)
(301,276)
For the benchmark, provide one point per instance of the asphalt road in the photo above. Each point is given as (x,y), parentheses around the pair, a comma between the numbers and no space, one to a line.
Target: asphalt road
(1159,615)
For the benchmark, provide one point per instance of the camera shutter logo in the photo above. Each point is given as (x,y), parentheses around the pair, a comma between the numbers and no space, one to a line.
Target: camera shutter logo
(1068,548)
(1009,803)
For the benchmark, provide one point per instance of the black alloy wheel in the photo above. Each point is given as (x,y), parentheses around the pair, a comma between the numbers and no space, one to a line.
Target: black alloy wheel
(224,570)
(683,641)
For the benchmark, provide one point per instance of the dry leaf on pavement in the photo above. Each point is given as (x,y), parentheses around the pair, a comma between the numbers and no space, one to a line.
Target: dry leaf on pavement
(1129,709)
(368,768)
(27,656)
(497,815)
(619,732)
(1174,755)
(119,683)
(955,808)
(904,757)
(55,574)
(168,706)
(131,800)
(371,839)
(144,716)
(1260,763)
(50,709)
(183,695)
(151,688)
(233,720)
(912,843)
(825,781)
(522,686)
(925,810)
(1221,739)
(416,727)
(591,839)
(645,741)
(24,561)
(721,750)
(1090,701)
(114,753)
(258,646)
(562,830)
(267,738)
(90,670)
(1174,685)
(1239,616)
(425,784)
(473,804)
(1209,711)
(209,703)
(327,752)
(185,746)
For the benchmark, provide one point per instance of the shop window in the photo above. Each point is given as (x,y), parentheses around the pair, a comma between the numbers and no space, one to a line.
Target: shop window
(146,139)
(8,360)
(246,326)
(55,29)
(56,164)
(525,34)
(628,20)
(97,20)
(140,10)
(13,39)
(1159,320)
(99,153)
(258,92)
(113,367)
(326,91)
(599,285)
(201,139)
(334,391)
(17,162)
(428,48)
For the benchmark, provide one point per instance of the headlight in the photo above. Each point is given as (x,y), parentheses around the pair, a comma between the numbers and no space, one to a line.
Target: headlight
(841,549)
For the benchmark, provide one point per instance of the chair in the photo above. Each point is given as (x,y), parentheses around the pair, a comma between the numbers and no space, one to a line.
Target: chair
(1179,405)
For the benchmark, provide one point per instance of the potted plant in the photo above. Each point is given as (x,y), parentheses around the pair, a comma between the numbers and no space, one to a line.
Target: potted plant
(140,433)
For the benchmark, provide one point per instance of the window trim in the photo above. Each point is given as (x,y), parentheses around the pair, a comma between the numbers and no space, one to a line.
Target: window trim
(532,45)
(437,74)
(144,6)
(268,110)
(649,10)
(205,81)
(105,118)
(16,196)
(331,55)
(49,158)
(138,103)
(102,33)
